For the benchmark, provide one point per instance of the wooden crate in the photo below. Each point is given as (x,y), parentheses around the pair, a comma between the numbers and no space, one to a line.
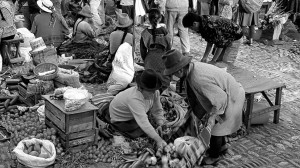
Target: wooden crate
(75,128)
(74,142)
(29,100)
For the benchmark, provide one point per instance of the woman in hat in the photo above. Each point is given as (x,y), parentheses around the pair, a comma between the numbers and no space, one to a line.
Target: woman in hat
(216,30)
(49,25)
(123,33)
(155,41)
(129,110)
(83,31)
(211,92)
(7,26)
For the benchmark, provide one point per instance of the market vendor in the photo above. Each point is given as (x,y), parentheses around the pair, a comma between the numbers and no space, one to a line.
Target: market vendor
(123,33)
(83,31)
(7,26)
(216,30)
(130,108)
(49,25)
(211,91)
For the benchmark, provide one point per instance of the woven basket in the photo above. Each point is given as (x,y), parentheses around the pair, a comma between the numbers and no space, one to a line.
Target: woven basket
(47,55)
(44,67)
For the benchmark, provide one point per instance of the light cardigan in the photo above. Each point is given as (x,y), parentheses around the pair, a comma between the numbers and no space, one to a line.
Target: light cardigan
(130,104)
(215,91)
(7,22)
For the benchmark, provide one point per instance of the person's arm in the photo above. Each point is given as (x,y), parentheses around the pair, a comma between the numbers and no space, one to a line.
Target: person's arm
(65,27)
(87,29)
(138,110)
(214,96)
(33,27)
(157,110)
(143,49)
(7,19)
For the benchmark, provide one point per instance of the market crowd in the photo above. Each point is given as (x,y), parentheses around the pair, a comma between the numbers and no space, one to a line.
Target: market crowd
(212,93)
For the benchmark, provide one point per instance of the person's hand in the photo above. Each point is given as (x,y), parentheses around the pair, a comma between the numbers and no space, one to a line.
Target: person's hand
(161,144)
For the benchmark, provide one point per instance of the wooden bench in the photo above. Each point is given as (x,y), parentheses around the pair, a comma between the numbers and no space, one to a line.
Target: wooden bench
(8,54)
(253,84)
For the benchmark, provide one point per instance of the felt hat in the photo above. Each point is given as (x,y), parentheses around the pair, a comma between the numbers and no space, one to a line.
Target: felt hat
(37,44)
(86,12)
(45,5)
(174,61)
(123,20)
(149,80)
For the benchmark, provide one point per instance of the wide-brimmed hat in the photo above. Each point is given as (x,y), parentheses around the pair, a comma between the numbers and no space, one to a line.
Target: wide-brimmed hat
(174,61)
(37,44)
(45,5)
(149,80)
(86,12)
(123,20)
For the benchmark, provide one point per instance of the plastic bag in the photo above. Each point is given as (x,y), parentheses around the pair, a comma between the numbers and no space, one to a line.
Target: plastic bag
(75,98)
(33,161)
(27,36)
(41,113)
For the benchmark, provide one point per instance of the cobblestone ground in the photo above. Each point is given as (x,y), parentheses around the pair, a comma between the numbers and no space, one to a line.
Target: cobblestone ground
(267,146)
(271,145)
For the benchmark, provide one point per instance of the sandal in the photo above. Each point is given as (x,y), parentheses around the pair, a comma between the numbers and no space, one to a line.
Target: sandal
(210,160)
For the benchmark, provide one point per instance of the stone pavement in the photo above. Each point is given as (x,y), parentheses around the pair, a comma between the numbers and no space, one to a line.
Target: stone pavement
(267,146)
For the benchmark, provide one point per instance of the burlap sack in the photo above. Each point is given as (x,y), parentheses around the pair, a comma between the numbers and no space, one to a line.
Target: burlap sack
(67,78)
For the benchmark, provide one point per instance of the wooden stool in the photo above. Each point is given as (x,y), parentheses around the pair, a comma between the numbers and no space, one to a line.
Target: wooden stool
(7,52)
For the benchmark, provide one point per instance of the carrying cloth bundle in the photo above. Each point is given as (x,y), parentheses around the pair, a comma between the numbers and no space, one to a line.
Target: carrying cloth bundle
(251,6)
(123,69)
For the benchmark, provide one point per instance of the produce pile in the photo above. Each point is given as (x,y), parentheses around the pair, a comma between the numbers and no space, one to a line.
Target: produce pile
(35,150)
(25,124)
(167,157)
(170,157)
(295,52)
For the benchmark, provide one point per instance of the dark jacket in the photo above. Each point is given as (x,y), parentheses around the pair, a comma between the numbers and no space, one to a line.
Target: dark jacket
(33,7)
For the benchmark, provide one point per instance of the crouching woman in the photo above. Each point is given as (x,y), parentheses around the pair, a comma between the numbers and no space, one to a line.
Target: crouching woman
(130,108)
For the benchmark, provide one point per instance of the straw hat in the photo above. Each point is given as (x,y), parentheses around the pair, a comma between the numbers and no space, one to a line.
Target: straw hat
(149,80)
(86,12)
(123,20)
(45,5)
(37,44)
(174,61)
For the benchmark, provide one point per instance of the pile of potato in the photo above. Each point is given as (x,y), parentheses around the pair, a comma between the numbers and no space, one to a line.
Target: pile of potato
(101,152)
(27,125)
(35,150)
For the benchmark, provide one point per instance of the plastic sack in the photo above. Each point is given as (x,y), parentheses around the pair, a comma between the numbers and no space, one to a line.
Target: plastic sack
(190,148)
(24,52)
(27,36)
(33,161)
(122,69)
(68,78)
(41,113)
(75,98)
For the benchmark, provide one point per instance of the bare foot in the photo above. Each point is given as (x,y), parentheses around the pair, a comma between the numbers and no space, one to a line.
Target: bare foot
(204,60)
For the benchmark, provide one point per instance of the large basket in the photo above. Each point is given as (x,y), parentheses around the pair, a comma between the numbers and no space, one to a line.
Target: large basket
(44,67)
(48,55)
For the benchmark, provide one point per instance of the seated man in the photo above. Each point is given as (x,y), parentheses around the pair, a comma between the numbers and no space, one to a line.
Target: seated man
(128,110)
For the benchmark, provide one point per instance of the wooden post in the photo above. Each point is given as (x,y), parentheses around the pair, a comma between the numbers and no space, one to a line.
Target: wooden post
(133,29)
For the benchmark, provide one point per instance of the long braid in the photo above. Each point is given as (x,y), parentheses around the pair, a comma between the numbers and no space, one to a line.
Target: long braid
(154,18)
